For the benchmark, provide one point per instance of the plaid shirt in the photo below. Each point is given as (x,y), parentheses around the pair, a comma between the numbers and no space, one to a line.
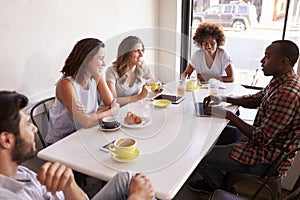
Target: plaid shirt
(276,123)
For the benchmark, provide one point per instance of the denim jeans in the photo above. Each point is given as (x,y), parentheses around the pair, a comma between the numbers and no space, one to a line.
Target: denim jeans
(117,188)
(217,162)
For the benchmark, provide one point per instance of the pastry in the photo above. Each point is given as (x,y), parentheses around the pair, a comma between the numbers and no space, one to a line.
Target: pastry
(132,118)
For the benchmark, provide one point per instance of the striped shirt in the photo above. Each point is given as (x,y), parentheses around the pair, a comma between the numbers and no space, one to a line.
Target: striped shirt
(276,123)
(25,186)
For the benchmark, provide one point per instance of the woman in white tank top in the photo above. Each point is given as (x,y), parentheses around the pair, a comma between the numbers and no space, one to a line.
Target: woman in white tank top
(210,61)
(77,92)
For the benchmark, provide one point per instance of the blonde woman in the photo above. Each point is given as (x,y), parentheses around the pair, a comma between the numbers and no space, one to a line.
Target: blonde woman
(127,77)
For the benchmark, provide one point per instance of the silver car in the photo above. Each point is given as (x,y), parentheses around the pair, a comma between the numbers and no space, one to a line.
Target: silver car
(237,16)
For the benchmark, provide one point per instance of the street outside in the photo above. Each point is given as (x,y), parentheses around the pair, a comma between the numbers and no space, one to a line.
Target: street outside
(247,49)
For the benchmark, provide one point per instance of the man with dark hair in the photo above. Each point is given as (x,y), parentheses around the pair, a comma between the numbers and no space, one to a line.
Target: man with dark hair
(277,122)
(54,180)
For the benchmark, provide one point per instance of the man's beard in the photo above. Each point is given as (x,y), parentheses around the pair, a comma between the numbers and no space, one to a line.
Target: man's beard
(22,151)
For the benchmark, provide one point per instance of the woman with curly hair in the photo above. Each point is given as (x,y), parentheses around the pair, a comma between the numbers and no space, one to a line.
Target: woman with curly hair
(211,60)
(127,77)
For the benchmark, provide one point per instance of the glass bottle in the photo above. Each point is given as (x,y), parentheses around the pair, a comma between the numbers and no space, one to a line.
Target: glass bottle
(181,88)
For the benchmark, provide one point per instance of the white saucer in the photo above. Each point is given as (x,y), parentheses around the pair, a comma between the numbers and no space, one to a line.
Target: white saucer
(145,122)
(116,158)
(102,127)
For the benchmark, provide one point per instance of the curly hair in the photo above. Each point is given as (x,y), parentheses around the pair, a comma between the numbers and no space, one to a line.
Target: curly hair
(206,30)
(124,50)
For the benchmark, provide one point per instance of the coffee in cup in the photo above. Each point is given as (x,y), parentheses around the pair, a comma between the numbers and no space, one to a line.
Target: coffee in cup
(109,122)
(124,148)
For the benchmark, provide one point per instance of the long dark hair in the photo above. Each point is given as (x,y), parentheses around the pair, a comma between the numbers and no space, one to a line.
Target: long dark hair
(81,54)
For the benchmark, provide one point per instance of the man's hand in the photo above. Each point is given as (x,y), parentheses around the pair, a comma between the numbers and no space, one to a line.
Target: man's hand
(212,100)
(140,188)
(57,177)
(216,111)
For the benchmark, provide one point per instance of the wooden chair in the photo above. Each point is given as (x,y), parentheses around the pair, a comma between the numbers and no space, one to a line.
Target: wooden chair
(266,186)
(43,107)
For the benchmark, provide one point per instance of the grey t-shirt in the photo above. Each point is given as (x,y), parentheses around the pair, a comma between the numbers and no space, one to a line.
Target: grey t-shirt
(122,89)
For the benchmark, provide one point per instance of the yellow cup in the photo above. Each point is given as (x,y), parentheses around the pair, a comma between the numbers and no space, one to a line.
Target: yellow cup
(191,84)
(124,148)
(154,84)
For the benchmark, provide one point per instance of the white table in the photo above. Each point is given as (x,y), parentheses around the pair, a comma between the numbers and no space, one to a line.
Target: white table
(171,146)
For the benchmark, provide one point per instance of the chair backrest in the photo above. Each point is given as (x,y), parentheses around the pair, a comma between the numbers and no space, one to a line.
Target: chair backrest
(42,107)
(265,183)
(298,68)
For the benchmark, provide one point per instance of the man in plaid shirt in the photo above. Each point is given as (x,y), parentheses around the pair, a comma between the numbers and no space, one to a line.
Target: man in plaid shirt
(277,122)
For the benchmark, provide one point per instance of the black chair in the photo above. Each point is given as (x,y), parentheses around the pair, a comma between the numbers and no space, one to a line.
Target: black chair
(42,107)
(266,186)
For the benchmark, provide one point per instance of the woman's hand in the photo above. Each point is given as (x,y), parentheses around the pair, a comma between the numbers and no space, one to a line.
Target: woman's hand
(145,90)
(159,89)
(114,107)
(80,107)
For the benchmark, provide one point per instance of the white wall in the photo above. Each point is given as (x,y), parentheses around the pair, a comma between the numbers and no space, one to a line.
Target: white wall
(36,36)
(169,38)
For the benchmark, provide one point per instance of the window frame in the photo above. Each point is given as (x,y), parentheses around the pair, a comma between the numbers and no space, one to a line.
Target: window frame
(186,29)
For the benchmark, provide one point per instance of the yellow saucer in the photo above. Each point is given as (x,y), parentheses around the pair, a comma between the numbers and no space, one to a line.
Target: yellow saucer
(162,103)
(135,156)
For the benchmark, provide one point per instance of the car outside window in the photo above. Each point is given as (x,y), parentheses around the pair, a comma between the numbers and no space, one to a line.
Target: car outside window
(228,9)
(247,46)
(214,10)
(242,9)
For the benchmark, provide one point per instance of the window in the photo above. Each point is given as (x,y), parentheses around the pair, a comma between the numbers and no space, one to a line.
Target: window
(242,9)
(228,9)
(265,22)
(214,10)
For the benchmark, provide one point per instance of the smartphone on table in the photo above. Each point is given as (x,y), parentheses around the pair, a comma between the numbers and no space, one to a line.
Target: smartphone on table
(105,147)
(174,99)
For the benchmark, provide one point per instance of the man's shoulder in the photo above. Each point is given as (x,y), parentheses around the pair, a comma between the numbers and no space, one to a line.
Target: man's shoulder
(22,168)
(7,194)
(24,173)
(9,187)
(292,85)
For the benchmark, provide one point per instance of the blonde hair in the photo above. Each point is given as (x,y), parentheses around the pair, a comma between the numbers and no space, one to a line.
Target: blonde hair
(120,64)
